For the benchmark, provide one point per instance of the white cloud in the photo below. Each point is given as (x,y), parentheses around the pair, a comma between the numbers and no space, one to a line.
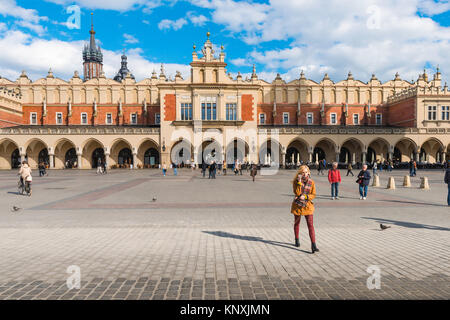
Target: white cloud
(129,38)
(27,18)
(36,56)
(119,5)
(240,62)
(335,36)
(199,20)
(172,24)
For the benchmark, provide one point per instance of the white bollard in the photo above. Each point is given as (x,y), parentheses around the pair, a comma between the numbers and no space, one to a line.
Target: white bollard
(391,183)
(376,181)
(407,181)
(424,183)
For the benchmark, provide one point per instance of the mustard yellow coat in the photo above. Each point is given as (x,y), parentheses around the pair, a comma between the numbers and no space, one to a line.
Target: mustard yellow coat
(309,209)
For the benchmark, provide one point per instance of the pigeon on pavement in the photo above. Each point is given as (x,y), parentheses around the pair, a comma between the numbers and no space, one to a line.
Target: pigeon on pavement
(15,209)
(383,227)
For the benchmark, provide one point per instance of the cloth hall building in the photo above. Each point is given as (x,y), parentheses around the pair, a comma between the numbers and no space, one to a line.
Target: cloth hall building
(211,114)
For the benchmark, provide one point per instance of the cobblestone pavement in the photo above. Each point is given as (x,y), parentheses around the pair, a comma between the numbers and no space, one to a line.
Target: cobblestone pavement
(228,238)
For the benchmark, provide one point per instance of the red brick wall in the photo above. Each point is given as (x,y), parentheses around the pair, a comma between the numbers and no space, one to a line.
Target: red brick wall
(267,109)
(169,107)
(402,114)
(75,119)
(247,107)
(8,119)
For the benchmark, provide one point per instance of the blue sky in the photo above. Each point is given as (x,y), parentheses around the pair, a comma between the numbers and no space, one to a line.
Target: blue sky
(285,36)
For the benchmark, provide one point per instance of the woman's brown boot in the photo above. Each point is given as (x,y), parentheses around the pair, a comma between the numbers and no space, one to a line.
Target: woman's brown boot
(314,248)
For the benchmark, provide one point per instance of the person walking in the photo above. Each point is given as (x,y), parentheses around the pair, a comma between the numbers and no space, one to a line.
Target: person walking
(164,169)
(305,191)
(210,167)
(224,168)
(104,167)
(213,168)
(204,168)
(374,167)
(350,169)
(99,167)
(24,172)
(414,168)
(447,181)
(334,177)
(321,166)
(253,171)
(363,181)
(411,167)
(175,169)
(41,169)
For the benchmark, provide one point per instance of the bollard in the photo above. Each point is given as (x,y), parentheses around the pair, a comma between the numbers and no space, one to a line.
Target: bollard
(424,183)
(407,181)
(376,181)
(391,183)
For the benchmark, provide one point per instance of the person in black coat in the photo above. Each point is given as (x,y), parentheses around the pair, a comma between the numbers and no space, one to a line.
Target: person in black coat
(363,181)
(204,168)
(212,170)
(447,181)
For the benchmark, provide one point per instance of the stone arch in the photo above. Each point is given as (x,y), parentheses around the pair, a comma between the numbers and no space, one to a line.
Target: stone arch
(268,152)
(405,149)
(8,154)
(297,151)
(324,149)
(87,150)
(33,148)
(181,151)
(351,151)
(121,153)
(433,149)
(210,150)
(148,153)
(237,149)
(377,150)
(60,149)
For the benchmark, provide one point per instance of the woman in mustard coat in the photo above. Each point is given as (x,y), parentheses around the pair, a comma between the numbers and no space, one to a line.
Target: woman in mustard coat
(305,191)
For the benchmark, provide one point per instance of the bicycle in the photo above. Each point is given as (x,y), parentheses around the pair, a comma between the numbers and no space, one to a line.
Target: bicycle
(24,187)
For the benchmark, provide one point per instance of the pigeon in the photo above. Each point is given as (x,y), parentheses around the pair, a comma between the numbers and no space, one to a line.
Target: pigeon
(15,209)
(154,199)
(383,227)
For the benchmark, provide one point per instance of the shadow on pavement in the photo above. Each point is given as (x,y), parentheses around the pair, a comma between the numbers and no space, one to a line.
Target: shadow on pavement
(407,224)
(249,238)
(415,202)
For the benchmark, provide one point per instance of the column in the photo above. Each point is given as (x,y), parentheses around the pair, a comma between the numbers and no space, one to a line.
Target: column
(346,157)
(51,158)
(196,107)
(238,107)
(134,160)
(79,165)
(364,155)
(390,156)
(283,159)
(310,157)
(443,157)
(417,156)
(22,157)
(107,159)
(353,158)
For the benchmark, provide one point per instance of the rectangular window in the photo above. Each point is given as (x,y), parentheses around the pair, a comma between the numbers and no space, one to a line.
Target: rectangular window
(309,118)
(84,119)
(445,113)
(285,117)
(157,118)
(209,111)
(333,118)
(186,111)
(133,118)
(231,111)
(109,118)
(33,118)
(355,118)
(262,118)
(59,118)
(431,112)
(379,119)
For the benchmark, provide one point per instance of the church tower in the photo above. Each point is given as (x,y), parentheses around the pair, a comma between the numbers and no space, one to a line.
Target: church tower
(92,57)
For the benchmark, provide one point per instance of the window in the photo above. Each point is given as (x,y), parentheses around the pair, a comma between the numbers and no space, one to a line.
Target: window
(157,118)
(333,118)
(33,118)
(186,111)
(285,117)
(445,113)
(431,112)
(133,118)
(209,111)
(109,118)
(84,119)
(59,118)
(379,119)
(355,118)
(262,118)
(231,111)
(309,118)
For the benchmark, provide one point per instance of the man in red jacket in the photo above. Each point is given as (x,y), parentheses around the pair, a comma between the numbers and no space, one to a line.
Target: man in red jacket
(334,177)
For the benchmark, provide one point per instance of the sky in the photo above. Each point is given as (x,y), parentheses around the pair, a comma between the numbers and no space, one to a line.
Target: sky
(366,37)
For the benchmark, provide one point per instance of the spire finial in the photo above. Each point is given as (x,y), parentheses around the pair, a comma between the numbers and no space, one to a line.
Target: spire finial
(92,21)
(208,34)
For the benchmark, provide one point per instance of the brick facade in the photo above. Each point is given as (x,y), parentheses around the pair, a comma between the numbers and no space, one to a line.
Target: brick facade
(247,107)
(169,107)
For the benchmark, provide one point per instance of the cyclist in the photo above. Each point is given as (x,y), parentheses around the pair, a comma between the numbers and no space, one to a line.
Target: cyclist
(24,172)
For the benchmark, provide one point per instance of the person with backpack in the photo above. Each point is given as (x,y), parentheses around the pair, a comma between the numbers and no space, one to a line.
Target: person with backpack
(349,169)
(334,177)
(363,182)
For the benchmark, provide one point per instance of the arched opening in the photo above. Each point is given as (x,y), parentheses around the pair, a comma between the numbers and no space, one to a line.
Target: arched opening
(431,151)
(125,158)
(379,151)
(33,152)
(151,157)
(371,155)
(296,153)
(237,150)
(70,159)
(406,151)
(351,151)
(270,153)
(181,152)
(344,155)
(9,154)
(98,157)
(318,154)
(210,151)
(43,157)
(15,159)
(61,149)
(327,150)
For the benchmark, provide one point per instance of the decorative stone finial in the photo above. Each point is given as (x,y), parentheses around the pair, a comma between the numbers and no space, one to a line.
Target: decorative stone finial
(194,47)
(208,34)
(75,74)
(50,73)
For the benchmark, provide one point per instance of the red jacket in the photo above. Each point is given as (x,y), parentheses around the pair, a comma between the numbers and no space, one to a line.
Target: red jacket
(334,176)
